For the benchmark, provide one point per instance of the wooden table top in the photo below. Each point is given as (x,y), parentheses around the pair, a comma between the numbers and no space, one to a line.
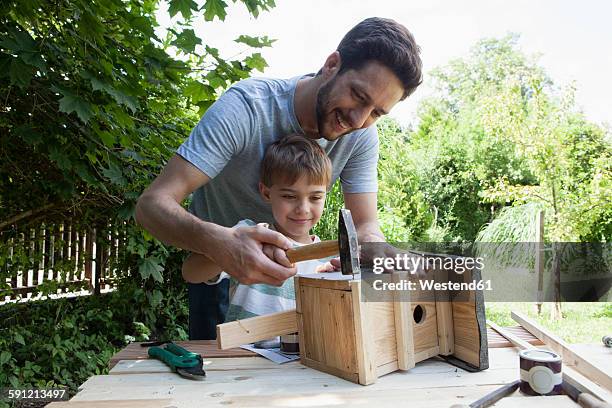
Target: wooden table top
(238,378)
(208,348)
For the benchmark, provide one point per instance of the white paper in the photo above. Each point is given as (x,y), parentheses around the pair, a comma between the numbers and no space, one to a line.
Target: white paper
(272,354)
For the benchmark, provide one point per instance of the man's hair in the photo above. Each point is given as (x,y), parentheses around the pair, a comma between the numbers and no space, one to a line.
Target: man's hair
(294,156)
(387,42)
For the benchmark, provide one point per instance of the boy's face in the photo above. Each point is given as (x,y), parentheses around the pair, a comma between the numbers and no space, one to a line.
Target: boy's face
(296,207)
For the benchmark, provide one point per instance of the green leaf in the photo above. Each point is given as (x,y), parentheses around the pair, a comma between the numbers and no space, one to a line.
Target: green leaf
(197,91)
(107,138)
(14,381)
(20,73)
(156,298)
(5,356)
(123,118)
(185,7)
(123,99)
(256,61)
(114,174)
(72,103)
(255,42)
(150,266)
(127,211)
(28,134)
(214,8)
(186,40)
(59,157)
(19,339)
(34,59)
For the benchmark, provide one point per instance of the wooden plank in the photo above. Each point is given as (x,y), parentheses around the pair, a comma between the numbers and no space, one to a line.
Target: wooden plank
(427,353)
(338,337)
(387,368)
(444,317)
(275,382)
(364,346)
(496,340)
(326,368)
(131,403)
(311,331)
(469,322)
(404,336)
(425,332)
(548,401)
(517,341)
(205,348)
(381,330)
(363,398)
(239,332)
(570,357)
(128,367)
(335,281)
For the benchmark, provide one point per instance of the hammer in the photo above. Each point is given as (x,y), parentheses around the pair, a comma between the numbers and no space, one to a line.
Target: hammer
(347,245)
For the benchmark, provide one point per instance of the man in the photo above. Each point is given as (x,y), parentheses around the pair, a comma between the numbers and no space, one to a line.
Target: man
(376,65)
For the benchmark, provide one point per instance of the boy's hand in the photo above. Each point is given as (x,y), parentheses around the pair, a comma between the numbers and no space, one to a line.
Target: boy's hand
(239,252)
(277,255)
(328,267)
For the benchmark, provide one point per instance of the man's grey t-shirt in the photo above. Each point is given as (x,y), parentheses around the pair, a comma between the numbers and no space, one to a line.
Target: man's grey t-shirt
(229,142)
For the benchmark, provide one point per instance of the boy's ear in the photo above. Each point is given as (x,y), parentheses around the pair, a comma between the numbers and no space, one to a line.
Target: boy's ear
(264,191)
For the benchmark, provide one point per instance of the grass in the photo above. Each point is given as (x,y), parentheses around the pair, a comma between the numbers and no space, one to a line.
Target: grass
(581,322)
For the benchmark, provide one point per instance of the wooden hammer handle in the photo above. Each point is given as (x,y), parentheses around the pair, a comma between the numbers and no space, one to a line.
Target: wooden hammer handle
(321,249)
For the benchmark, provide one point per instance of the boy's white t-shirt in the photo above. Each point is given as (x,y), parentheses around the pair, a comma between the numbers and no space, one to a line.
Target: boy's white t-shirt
(260,299)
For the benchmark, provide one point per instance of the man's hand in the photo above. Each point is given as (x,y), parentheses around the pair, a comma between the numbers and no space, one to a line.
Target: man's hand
(240,253)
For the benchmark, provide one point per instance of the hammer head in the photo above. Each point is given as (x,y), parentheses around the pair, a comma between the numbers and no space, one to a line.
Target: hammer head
(348,244)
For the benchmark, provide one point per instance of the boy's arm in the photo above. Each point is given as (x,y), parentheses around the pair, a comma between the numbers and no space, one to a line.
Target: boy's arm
(198,268)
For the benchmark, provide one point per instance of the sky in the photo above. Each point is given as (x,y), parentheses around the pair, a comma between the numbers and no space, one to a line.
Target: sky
(573,38)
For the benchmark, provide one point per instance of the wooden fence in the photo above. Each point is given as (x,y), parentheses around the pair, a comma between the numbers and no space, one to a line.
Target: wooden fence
(63,256)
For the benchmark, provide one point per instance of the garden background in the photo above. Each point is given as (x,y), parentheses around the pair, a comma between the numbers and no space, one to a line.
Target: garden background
(93,103)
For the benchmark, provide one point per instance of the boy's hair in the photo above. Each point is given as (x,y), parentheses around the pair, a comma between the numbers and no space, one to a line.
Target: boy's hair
(294,156)
(387,42)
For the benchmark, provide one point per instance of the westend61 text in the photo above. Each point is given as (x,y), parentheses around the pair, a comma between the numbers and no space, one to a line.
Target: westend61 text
(430,284)
(412,264)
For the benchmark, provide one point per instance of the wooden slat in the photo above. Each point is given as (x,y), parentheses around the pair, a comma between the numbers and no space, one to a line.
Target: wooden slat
(206,348)
(404,336)
(128,367)
(426,332)
(338,336)
(334,281)
(444,317)
(496,340)
(128,403)
(234,334)
(364,345)
(311,329)
(381,331)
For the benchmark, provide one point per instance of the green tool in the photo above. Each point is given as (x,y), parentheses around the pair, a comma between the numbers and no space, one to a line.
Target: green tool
(181,361)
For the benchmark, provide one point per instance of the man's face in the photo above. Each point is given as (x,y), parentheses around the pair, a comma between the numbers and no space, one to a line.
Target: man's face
(355,99)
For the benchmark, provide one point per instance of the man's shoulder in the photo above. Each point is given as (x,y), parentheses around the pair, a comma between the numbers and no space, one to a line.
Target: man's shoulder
(262,88)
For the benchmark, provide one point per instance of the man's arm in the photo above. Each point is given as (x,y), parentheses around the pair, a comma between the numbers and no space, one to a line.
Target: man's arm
(363,211)
(237,251)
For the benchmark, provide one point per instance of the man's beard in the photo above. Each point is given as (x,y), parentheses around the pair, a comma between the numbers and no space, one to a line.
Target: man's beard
(321,108)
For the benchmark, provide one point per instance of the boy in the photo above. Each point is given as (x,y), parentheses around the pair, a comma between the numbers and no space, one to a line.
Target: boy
(294,177)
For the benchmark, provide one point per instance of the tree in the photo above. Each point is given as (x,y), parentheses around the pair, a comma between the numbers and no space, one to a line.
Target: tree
(94,102)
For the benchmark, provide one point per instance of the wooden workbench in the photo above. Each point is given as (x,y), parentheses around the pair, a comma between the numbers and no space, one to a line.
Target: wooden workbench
(238,378)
